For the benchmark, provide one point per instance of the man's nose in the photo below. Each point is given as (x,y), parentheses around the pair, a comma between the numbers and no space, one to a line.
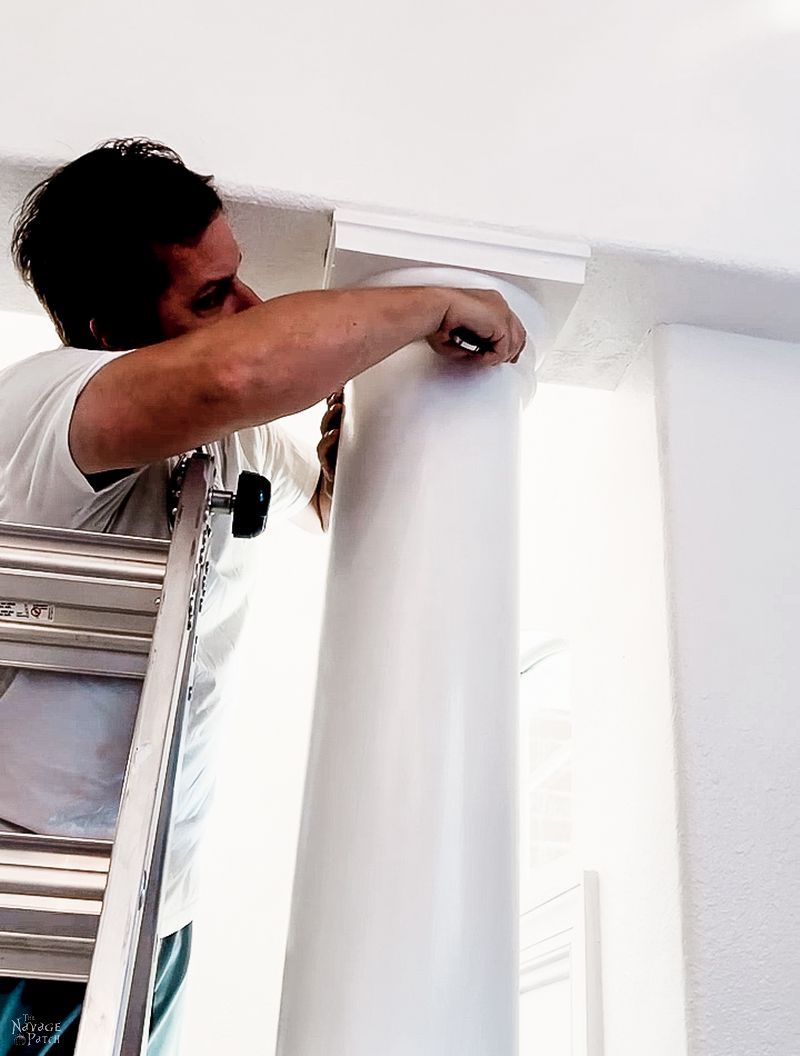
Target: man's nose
(245,297)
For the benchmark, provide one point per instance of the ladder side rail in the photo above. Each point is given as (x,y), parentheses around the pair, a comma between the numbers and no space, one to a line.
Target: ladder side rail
(137,1019)
(161,711)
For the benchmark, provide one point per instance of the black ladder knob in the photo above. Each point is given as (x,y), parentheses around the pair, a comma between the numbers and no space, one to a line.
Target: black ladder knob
(251,505)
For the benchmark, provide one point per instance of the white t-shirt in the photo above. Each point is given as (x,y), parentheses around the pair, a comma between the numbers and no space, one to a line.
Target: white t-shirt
(64,739)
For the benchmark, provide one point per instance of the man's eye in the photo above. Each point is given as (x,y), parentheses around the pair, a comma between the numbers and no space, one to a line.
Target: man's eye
(211,300)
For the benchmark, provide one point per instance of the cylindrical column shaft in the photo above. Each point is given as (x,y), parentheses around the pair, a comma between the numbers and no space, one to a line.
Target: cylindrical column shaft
(403,937)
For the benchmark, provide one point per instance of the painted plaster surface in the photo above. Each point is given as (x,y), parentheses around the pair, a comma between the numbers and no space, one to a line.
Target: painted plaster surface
(730,446)
(668,124)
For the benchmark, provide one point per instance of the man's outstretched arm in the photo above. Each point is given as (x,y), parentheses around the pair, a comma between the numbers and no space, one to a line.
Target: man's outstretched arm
(272,360)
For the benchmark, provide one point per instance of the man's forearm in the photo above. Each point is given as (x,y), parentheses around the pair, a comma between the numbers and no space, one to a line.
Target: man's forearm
(262,364)
(291,352)
(267,362)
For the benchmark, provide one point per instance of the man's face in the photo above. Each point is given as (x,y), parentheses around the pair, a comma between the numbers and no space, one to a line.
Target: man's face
(204,284)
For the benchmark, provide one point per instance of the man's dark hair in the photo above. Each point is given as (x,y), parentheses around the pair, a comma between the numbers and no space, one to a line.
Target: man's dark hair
(86,239)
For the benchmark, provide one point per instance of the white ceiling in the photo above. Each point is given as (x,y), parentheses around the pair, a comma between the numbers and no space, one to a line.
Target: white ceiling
(668,124)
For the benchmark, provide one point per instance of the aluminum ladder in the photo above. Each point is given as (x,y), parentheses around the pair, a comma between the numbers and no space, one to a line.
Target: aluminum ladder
(101,604)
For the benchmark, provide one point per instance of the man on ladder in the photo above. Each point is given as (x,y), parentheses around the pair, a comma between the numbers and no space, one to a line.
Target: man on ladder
(127,249)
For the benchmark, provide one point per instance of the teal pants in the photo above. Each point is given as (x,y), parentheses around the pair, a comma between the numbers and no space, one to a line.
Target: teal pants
(37,1015)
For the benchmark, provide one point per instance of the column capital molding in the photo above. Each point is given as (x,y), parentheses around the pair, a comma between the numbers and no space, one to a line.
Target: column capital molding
(368,242)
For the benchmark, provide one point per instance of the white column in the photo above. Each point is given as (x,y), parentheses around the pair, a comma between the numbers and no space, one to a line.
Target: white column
(404,930)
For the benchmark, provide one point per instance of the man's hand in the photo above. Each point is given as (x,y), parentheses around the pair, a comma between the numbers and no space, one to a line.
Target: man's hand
(330,428)
(486,314)
(327,452)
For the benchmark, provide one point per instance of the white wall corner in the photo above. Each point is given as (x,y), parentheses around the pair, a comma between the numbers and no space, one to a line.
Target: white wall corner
(729,434)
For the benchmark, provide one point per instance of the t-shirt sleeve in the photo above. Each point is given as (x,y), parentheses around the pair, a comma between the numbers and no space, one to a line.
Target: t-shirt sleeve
(291,468)
(43,483)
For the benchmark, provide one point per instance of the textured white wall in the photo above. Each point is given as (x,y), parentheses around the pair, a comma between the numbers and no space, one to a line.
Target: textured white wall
(593,575)
(666,123)
(731,441)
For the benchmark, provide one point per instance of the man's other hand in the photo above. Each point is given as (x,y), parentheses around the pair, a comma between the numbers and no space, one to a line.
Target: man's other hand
(327,452)
(330,428)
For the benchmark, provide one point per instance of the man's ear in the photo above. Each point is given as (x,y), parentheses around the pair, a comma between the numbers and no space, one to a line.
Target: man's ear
(99,338)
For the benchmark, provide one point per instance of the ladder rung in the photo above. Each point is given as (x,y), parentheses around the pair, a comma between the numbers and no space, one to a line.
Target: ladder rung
(50,881)
(77,618)
(53,866)
(22,921)
(75,661)
(76,638)
(86,592)
(51,892)
(51,648)
(32,903)
(78,602)
(108,566)
(76,848)
(41,541)
(32,956)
